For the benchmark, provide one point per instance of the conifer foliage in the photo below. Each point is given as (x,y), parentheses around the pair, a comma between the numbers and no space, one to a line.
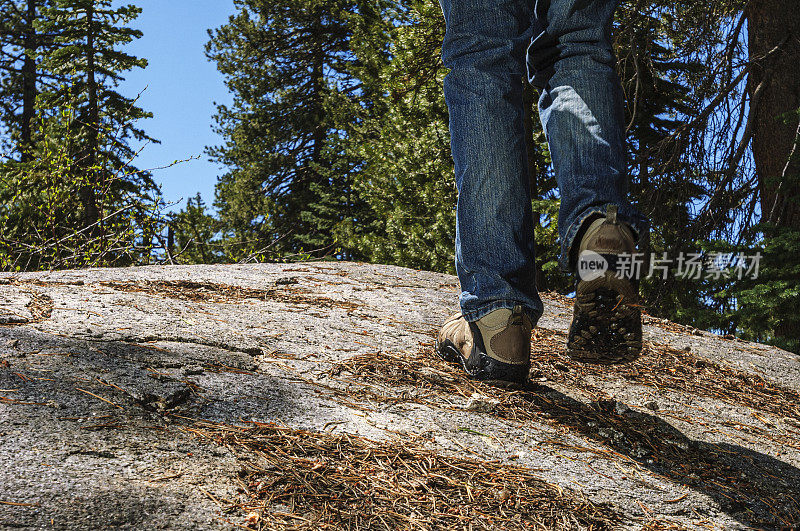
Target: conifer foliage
(286,63)
(357,165)
(70,193)
(21,41)
(405,178)
(336,145)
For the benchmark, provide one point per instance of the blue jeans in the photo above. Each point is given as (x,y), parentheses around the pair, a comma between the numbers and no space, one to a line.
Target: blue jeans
(564,48)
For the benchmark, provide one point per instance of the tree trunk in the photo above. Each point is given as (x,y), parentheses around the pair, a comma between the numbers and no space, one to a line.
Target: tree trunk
(529,100)
(317,83)
(88,197)
(774,88)
(30,45)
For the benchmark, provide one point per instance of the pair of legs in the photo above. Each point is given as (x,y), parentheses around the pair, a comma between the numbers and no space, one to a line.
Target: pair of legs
(564,48)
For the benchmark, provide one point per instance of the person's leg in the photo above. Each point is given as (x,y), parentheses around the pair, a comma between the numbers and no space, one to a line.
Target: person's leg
(484,48)
(581,109)
(582,113)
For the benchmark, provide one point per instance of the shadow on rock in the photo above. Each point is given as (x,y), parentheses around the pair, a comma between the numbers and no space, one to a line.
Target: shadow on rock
(117,506)
(85,375)
(753,488)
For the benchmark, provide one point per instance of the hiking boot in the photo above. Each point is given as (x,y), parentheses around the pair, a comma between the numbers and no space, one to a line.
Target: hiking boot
(606,322)
(495,349)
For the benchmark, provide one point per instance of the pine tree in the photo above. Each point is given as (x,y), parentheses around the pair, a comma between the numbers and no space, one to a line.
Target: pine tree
(87,36)
(285,63)
(405,179)
(77,198)
(194,237)
(21,44)
(663,182)
(732,151)
(378,185)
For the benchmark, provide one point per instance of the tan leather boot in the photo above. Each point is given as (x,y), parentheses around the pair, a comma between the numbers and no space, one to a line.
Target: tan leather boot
(607,322)
(495,349)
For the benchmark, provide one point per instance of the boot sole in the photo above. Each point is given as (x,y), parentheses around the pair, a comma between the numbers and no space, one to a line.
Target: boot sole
(449,353)
(606,325)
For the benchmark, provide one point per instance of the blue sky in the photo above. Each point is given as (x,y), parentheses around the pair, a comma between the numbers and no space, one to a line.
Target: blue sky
(182,86)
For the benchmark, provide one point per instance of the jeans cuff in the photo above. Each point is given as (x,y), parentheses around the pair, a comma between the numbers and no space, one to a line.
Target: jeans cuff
(473,315)
(630,217)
